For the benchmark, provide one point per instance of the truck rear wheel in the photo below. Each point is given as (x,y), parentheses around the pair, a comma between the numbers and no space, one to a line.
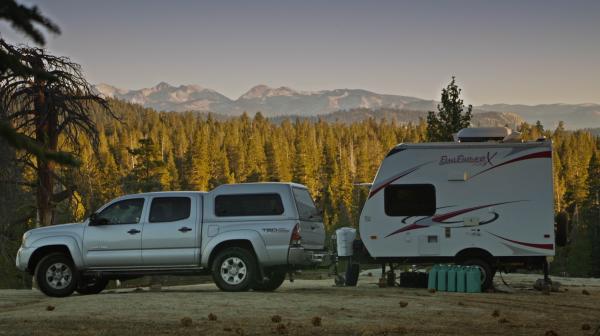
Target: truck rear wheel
(487,272)
(56,275)
(89,286)
(234,269)
(276,278)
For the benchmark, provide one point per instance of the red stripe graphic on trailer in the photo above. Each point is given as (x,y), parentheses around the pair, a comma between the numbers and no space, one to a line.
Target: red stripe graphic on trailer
(536,245)
(538,155)
(407,228)
(387,182)
(443,217)
(439,219)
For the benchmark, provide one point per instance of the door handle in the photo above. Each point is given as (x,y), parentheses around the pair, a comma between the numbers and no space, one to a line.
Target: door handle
(184,229)
(133,231)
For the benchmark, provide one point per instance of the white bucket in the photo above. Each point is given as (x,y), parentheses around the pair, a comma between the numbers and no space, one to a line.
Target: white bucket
(345,238)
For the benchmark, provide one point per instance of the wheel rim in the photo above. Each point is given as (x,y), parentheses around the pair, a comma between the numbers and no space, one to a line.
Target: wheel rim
(233,271)
(59,275)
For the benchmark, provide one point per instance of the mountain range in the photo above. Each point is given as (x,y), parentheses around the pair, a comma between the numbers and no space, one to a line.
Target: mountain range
(340,104)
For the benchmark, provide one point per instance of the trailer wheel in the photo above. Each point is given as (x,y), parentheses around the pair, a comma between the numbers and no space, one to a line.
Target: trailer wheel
(487,272)
(352,275)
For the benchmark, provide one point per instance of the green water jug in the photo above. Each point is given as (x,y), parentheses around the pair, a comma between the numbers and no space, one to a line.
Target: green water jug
(442,278)
(461,279)
(473,280)
(432,277)
(452,278)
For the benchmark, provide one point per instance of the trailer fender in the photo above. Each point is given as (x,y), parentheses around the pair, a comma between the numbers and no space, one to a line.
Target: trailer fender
(474,252)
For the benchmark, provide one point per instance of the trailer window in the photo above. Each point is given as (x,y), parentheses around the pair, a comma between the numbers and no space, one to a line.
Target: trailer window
(409,200)
(248,205)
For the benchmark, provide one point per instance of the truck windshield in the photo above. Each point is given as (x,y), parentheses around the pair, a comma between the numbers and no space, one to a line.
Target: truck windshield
(306,207)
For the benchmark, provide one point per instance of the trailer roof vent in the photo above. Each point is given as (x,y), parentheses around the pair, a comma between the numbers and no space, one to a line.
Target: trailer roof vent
(484,134)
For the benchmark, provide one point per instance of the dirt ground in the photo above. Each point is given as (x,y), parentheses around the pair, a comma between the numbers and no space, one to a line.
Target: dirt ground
(308,307)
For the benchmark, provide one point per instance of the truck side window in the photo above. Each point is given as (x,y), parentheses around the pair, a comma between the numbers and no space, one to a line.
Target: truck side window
(248,205)
(169,209)
(409,200)
(126,211)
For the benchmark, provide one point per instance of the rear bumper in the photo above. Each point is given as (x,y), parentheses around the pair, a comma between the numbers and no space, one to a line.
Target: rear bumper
(301,257)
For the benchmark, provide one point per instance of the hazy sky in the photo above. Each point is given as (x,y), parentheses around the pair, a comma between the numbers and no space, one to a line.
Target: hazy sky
(501,51)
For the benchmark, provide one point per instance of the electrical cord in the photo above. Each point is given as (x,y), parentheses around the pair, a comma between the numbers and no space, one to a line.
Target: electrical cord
(503,281)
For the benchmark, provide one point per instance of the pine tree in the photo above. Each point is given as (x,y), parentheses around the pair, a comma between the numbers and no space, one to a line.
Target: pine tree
(449,118)
(592,212)
(149,170)
(196,174)
(172,176)
(52,107)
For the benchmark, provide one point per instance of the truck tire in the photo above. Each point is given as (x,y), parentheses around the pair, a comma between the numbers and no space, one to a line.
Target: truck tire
(487,272)
(276,278)
(234,269)
(89,286)
(56,275)
(352,275)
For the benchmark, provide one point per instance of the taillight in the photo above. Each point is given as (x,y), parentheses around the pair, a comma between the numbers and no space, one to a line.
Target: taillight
(296,236)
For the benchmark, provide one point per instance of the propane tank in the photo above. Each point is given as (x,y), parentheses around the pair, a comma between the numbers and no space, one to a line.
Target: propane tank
(432,277)
(442,278)
(452,278)
(461,278)
(473,280)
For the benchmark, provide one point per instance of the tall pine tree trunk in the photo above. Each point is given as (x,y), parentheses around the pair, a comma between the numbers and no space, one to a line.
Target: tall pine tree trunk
(46,134)
(44,194)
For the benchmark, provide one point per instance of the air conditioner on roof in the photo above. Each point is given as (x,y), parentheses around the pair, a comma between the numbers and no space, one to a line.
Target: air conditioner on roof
(485,134)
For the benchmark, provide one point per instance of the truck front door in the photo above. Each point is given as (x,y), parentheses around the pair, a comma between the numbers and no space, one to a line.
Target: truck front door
(172,232)
(117,240)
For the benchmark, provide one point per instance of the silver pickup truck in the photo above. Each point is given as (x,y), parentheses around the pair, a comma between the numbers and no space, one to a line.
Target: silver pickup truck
(248,236)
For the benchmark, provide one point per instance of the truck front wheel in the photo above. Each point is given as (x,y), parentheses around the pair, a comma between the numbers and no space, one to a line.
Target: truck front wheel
(234,269)
(56,275)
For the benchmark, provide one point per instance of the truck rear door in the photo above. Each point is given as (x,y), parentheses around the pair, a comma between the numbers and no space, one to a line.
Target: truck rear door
(172,233)
(312,229)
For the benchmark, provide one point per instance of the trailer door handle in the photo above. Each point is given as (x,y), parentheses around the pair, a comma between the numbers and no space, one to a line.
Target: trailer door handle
(133,231)
(184,229)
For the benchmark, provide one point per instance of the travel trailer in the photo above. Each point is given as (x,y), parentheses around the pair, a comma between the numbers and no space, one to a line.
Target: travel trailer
(485,200)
